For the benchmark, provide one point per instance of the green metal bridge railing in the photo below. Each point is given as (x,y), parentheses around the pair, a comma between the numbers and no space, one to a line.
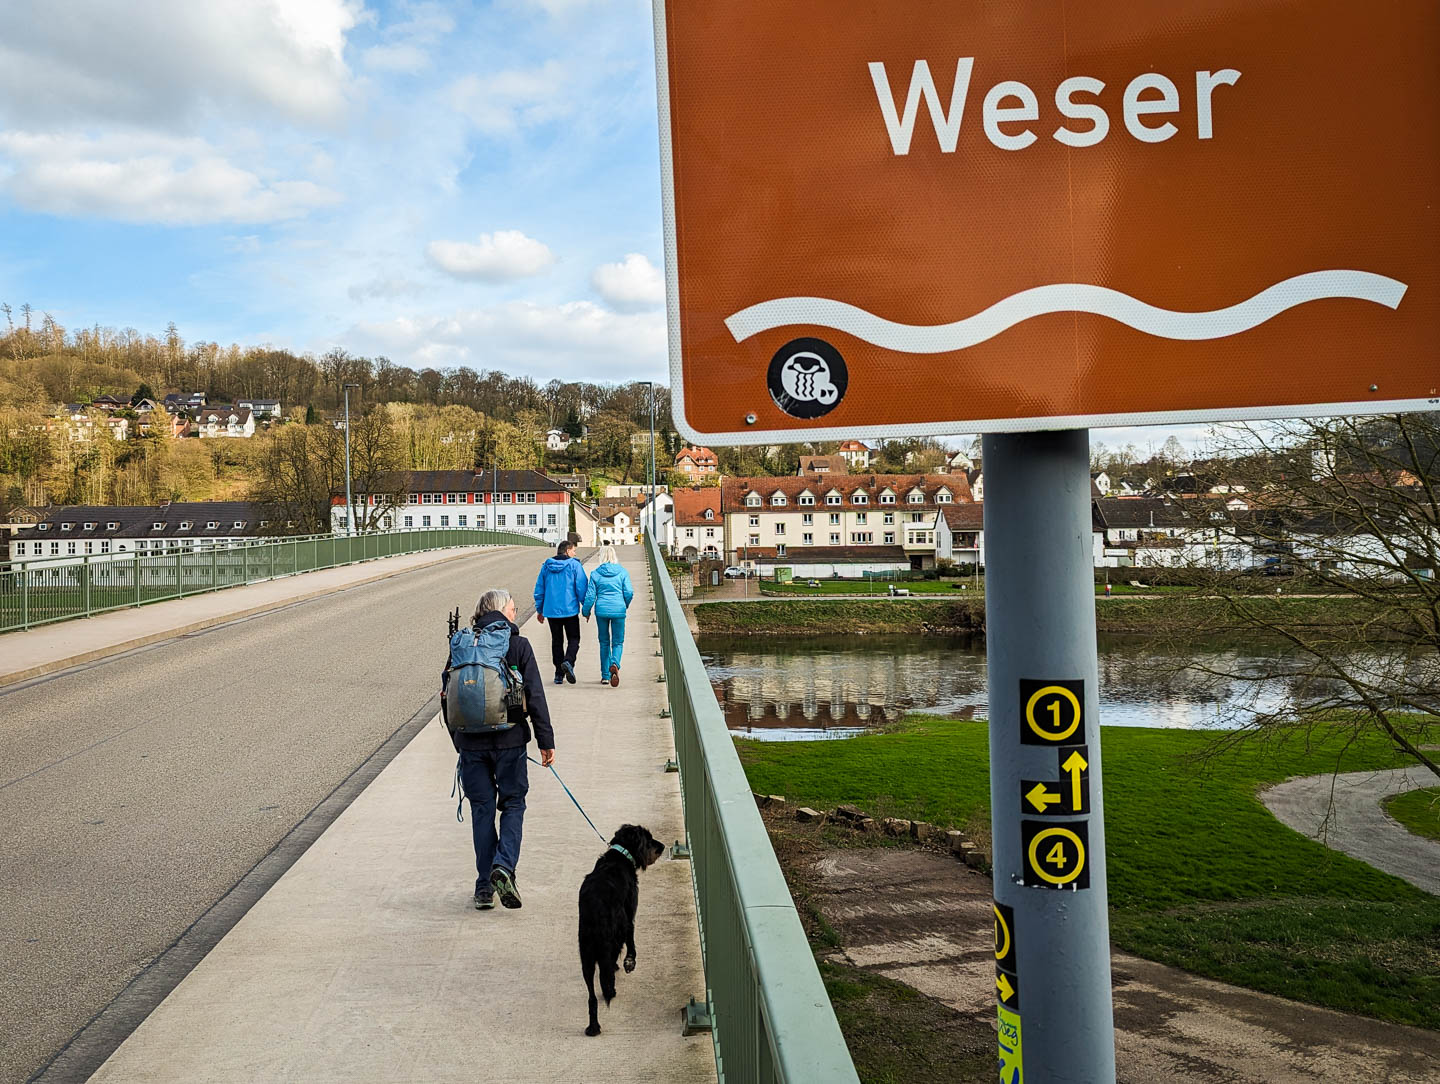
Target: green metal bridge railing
(773,1023)
(45,590)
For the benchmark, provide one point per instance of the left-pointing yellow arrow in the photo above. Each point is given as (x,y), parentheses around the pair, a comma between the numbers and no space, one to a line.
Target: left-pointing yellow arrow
(1002,984)
(1041,798)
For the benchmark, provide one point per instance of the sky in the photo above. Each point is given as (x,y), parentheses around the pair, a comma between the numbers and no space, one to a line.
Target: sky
(441,182)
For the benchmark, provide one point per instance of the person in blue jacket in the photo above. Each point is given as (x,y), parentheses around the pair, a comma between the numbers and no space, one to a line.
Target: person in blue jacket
(559,589)
(609,595)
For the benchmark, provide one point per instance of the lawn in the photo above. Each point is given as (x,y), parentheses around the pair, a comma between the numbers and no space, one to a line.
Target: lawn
(871,587)
(1417,810)
(1201,875)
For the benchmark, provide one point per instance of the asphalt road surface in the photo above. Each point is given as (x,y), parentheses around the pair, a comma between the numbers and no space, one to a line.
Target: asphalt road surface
(135,792)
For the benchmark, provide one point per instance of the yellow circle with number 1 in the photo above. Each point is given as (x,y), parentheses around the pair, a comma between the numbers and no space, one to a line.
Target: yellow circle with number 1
(1046,691)
(1002,947)
(1060,833)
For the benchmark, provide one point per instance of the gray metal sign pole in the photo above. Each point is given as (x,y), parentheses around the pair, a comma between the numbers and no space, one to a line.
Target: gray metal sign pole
(1052,931)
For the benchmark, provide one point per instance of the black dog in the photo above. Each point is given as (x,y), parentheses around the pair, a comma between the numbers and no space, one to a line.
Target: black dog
(608,897)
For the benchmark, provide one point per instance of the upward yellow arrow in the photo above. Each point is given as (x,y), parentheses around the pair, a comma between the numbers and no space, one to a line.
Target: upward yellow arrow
(1002,984)
(1040,797)
(1075,764)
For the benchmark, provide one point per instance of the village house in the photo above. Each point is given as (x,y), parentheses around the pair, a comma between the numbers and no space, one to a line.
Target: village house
(261,409)
(557,440)
(696,463)
(188,401)
(823,464)
(521,501)
(822,525)
(856,455)
(699,524)
(224,421)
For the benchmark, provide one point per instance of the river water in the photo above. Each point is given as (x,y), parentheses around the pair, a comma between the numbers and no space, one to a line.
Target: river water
(780,688)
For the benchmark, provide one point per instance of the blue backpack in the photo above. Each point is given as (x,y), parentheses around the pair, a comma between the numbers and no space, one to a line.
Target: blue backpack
(480,688)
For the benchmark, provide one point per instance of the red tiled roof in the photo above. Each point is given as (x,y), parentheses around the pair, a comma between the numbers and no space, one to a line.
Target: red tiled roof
(690,506)
(734,490)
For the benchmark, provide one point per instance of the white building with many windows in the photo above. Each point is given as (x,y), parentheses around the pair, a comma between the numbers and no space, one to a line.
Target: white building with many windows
(522,501)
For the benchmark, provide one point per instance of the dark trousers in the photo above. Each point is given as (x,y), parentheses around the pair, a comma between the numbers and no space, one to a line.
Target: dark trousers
(561,629)
(495,779)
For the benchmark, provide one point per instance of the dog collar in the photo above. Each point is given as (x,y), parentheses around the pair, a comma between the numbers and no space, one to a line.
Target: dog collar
(622,850)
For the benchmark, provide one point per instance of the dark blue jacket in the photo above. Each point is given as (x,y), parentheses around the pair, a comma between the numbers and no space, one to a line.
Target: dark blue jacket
(522,658)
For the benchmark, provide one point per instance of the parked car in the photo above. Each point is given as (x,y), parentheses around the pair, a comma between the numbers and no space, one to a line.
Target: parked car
(734,572)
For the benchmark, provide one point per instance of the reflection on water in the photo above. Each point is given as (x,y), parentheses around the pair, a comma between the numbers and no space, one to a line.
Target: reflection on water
(789,687)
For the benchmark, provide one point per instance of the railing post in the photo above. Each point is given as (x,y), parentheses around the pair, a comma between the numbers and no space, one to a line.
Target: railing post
(270,546)
(214,568)
(180,572)
(85,571)
(24,597)
(137,577)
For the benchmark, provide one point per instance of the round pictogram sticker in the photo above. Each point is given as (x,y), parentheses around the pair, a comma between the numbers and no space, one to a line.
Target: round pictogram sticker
(807,378)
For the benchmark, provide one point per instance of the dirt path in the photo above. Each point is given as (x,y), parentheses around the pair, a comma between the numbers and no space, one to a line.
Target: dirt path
(1356,824)
(921,918)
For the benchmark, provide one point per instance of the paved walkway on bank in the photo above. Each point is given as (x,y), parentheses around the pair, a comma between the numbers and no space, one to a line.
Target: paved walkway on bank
(32,653)
(1356,824)
(368,962)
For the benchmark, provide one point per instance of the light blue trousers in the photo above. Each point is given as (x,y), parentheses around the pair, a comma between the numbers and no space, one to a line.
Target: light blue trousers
(611,631)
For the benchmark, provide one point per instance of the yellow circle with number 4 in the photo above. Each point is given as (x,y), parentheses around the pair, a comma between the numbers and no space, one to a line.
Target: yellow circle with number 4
(1060,834)
(1047,691)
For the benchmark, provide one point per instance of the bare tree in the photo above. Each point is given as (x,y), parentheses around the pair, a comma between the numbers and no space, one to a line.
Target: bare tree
(1345,509)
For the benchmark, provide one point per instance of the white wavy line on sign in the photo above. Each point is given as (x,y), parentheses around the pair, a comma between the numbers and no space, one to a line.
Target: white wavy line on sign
(1064,297)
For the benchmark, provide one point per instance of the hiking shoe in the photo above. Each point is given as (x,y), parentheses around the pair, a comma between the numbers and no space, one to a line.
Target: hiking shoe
(484,901)
(503,882)
(559,679)
(569,672)
(614,676)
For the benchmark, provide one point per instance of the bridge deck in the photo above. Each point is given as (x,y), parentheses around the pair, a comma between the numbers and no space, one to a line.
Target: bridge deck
(367,961)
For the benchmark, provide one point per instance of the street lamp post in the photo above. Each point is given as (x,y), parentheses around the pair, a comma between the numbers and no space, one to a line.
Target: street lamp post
(650,507)
(349,500)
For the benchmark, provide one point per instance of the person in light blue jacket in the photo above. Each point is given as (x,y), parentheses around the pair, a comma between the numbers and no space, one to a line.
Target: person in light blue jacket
(609,595)
(559,589)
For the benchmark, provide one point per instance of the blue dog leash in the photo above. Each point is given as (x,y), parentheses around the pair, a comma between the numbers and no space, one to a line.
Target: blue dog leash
(458,788)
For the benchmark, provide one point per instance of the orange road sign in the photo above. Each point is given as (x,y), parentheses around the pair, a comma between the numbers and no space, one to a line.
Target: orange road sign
(923,216)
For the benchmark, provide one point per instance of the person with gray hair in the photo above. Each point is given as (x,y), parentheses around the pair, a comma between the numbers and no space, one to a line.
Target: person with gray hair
(493,765)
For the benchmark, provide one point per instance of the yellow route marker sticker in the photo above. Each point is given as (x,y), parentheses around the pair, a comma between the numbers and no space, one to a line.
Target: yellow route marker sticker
(1068,795)
(1008,988)
(1012,1065)
(1056,855)
(1052,712)
(1004,937)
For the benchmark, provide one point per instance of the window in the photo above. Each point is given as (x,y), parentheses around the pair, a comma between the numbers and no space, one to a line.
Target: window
(832,499)
(532,520)
(709,513)
(239,524)
(464,521)
(917,517)
(43,527)
(104,545)
(444,521)
(409,521)
(550,519)
(412,498)
(19,549)
(834,519)
(185,525)
(500,521)
(778,500)
(860,517)
(780,550)
(754,540)
(424,521)
(528,498)
(916,497)
(834,538)
(752,501)
(111,526)
(807,539)
(505,498)
(157,526)
(807,519)
(806,499)
(754,521)
(709,532)
(264,523)
(779,528)
(54,549)
(943,497)
(90,526)
(887,498)
(457,498)
(889,518)
(345,522)
(861,538)
(859,498)
(889,538)
(66,526)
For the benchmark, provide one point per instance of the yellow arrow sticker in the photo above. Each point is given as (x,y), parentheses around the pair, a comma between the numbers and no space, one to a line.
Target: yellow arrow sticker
(1041,797)
(1074,765)
(1002,984)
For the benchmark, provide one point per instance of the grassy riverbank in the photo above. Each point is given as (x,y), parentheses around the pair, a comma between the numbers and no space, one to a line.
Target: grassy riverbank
(1173,614)
(1201,875)
(1417,810)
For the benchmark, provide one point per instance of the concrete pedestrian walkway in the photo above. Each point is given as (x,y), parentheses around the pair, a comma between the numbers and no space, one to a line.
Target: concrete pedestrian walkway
(368,962)
(1356,824)
(33,653)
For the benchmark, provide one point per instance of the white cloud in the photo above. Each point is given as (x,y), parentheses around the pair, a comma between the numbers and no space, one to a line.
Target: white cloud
(578,339)
(633,283)
(147,179)
(165,62)
(400,57)
(497,257)
(504,102)
(405,44)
